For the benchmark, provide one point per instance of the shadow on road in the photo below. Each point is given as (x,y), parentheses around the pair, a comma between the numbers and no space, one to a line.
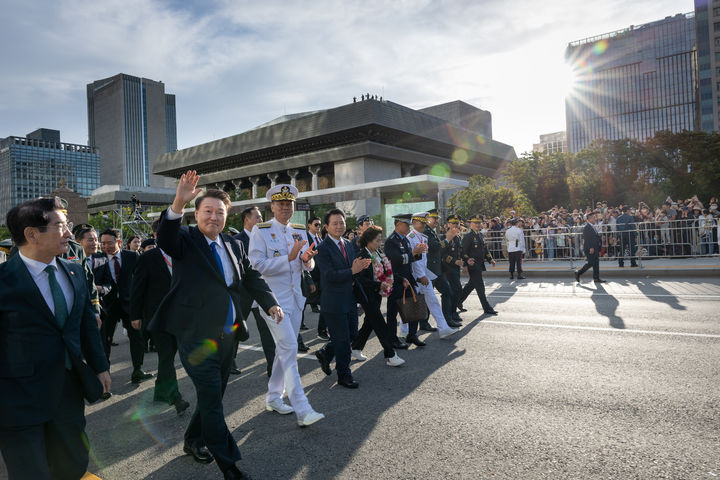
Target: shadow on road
(656,293)
(605,304)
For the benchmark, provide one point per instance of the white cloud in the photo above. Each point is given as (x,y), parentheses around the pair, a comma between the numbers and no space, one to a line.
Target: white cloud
(234,65)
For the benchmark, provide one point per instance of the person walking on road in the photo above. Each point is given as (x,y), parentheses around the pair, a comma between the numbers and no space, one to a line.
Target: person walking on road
(592,244)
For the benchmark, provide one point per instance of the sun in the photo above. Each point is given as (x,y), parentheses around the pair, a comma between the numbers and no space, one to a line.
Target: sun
(569,79)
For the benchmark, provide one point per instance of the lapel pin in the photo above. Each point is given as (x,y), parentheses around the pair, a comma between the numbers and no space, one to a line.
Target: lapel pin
(72,273)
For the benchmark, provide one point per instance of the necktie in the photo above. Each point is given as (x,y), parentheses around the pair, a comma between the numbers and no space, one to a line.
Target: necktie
(229,320)
(342,249)
(61,309)
(116,265)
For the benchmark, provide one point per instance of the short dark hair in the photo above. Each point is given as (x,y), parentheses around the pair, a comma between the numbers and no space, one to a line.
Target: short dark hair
(133,237)
(213,193)
(113,232)
(312,219)
(155,225)
(334,211)
(369,235)
(244,214)
(80,234)
(33,213)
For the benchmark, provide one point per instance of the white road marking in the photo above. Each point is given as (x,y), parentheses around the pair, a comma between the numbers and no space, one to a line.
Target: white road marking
(585,294)
(259,349)
(605,329)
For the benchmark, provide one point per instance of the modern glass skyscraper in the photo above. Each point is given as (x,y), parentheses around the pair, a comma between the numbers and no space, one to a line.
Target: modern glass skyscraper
(33,166)
(633,82)
(132,121)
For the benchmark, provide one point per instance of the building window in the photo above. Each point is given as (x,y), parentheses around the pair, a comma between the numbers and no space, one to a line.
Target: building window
(716,11)
(716,26)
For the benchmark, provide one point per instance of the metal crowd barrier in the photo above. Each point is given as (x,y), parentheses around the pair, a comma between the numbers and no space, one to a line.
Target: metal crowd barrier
(672,239)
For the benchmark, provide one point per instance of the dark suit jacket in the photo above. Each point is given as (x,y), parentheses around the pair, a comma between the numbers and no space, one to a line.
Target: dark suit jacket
(370,292)
(150,284)
(117,294)
(399,253)
(336,291)
(32,346)
(591,239)
(196,306)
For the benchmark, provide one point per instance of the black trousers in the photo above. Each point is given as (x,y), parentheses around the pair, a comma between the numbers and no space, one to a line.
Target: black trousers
(593,261)
(476,283)
(343,328)
(266,340)
(392,312)
(447,298)
(453,279)
(135,337)
(627,242)
(374,321)
(54,450)
(209,368)
(515,261)
(166,385)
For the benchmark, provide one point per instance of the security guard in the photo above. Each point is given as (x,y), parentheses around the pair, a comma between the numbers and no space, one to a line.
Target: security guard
(424,277)
(279,251)
(434,264)
(475,253)
(452,262)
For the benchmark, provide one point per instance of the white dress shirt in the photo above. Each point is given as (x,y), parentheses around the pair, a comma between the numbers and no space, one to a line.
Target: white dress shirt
(40,277)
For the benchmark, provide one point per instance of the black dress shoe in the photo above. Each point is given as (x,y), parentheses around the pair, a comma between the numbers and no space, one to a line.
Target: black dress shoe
(304,327)
(461,309)
(453,324)
(200,454)
(599,280)
(180,405)
(577,277)
(106,395)
(399,345)
(234,473)
(324,335)
(235,371)
(415,341)
(113,344)
(324,363)
(348,382)
(303,348)
(138,376)
(427,327)
(491,312)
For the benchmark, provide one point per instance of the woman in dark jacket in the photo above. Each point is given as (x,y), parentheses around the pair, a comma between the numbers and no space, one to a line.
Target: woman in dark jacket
(376,282)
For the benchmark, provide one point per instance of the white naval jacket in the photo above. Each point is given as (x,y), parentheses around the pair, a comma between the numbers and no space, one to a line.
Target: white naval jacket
(515,239)
(270,244)
(419,267)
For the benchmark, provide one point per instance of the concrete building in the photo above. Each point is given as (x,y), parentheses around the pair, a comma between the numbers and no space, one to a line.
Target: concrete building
(35,165)
(131,120)
(707,24)
(368,157)
(552,143)
(633,82)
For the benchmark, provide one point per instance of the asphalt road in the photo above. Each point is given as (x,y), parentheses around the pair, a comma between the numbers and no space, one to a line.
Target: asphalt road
(614,381)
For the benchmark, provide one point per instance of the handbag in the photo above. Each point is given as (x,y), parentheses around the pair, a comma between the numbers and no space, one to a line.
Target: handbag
(92,388)
(414,310)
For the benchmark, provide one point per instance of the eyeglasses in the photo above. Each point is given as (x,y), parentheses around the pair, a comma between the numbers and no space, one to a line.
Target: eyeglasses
(61,226)
(316,224)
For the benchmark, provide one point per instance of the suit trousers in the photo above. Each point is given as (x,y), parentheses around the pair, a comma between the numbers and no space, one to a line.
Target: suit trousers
(446,295)
(166,385)
(207,363)
(54,450)
(476,283)
(285,375)
(593,261)
(266,340)
(627,242)
(433,305)
(453,278)
(515,261)
(343,328)
(374,321)
(392,312)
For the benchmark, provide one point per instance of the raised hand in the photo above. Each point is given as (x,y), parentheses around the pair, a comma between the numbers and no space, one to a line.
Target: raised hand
(419,249)
(296,249)
(186,190)
(360,264)
(309,253)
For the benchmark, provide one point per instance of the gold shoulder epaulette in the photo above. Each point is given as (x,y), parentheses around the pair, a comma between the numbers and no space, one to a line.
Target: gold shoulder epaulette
(297,226)
(264,225)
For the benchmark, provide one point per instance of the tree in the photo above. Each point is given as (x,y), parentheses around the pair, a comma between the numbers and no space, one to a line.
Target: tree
(484,197)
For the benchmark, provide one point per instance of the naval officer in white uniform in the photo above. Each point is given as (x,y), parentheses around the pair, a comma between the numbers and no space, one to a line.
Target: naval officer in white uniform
(279,251)
(424,276)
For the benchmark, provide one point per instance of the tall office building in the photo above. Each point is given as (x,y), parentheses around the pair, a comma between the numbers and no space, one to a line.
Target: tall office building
(131,120)
(35,165)
(633,82)
(707,24)
(552,143)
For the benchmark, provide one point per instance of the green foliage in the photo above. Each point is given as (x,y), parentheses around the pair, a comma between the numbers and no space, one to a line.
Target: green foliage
(484,197)
(4,232)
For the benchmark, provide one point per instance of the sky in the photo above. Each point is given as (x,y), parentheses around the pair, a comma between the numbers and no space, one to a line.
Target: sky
(235,64)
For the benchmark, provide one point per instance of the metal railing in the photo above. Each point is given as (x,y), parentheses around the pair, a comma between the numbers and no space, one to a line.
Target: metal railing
(652,239)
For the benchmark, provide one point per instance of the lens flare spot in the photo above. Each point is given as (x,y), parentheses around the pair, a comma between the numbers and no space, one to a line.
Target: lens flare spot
(441,170)
(600,47)
(203,351)
(406,196)
(460,156)
(480,139)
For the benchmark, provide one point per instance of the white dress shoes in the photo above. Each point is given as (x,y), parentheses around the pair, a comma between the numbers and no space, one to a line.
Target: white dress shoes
(311,417)
(394,361)
(278,406)
(357,355)
(446,332)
